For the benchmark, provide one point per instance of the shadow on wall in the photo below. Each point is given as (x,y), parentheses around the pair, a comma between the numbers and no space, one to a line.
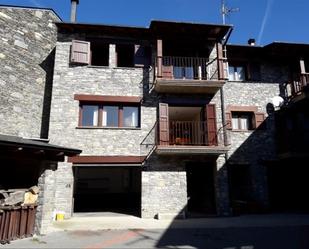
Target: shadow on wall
(48,66)
(247,166)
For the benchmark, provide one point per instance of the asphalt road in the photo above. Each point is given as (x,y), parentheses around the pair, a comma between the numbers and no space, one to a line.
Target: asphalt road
(277,237)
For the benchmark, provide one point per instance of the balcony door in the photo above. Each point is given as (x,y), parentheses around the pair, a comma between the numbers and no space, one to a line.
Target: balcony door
(187,125)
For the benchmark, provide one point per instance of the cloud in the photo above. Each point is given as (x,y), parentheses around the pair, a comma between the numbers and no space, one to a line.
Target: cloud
(265,18)
(36,3)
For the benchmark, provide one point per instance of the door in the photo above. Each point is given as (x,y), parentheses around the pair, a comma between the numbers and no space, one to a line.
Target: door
(200,188)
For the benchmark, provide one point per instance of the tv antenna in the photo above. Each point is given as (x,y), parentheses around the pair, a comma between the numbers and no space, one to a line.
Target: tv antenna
(225,10)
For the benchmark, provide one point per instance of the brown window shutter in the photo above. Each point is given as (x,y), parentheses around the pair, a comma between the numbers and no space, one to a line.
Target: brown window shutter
(220,62)
(163,124)
(211,124)
(228,120)
(80,52)
(141,56)
(259,118)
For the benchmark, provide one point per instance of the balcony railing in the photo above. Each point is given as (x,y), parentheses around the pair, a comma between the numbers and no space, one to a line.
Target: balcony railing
(296,87)
(188,133)
(185,68)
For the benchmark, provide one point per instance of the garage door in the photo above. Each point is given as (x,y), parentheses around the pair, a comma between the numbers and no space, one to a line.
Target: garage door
(107,189)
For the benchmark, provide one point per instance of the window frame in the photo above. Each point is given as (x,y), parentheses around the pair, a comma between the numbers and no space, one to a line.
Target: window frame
(101,105)
(240,114)
(235,66)
(257,117)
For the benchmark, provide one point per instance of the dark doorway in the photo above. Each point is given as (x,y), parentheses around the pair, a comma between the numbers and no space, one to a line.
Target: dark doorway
(289,186)
(200,189)
(107,189)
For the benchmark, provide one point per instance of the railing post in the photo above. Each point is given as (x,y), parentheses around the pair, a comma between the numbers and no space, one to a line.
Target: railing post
(159,58)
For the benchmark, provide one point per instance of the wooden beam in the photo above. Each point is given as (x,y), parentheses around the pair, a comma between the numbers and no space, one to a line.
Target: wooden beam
(104,98)
(106,159)
(159,58)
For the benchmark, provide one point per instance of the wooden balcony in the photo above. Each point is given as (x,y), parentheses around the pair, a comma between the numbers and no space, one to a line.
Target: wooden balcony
(188,75)
(191,137)
(295,90)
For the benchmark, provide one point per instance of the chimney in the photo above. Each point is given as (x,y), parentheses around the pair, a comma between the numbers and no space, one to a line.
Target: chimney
(251,42)
(74,4)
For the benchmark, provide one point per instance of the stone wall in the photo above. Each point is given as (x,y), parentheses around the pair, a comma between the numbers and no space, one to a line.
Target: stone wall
(27,38)
(46,200)
(112,81)
(254,147)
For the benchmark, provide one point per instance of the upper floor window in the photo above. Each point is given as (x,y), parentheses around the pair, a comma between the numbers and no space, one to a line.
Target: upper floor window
(106,115)
(125,55)
(242,120)
(97,53)
(237,73)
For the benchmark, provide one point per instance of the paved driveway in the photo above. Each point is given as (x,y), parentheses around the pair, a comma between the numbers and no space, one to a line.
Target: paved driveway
(245,232)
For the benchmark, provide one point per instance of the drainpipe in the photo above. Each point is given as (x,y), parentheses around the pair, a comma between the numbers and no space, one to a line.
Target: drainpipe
(225,138)
(74,4)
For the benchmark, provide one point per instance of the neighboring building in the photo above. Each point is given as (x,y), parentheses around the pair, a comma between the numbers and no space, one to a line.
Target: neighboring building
(288,177)
(27,40)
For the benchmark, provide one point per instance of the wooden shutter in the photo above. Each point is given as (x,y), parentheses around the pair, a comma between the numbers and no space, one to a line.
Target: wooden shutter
(80,52)
(211,124)
(228,120)
(163,124)
(259,118)
(220,61)
(141,56)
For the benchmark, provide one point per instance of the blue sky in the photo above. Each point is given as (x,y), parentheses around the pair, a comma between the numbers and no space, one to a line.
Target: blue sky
(264,20)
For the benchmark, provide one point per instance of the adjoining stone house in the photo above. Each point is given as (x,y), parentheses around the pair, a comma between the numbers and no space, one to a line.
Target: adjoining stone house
(27,41)
(288,176)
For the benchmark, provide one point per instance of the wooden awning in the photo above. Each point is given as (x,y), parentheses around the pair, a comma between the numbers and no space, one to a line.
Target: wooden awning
(14,146)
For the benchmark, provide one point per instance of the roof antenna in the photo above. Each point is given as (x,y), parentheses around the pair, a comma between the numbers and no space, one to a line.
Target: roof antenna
(225,10)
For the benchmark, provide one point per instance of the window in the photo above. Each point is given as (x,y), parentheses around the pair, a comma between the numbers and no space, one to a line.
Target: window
(90,115)
(110,116)
(237,73)
(125,55)
(130,116)
(96,53)
(104,115)
(99,53)
(242,121)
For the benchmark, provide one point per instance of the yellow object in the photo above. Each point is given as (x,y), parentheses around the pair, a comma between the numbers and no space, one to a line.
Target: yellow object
(60,216)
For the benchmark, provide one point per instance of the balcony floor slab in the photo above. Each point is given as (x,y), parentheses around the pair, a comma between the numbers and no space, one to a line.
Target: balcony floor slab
(191,150)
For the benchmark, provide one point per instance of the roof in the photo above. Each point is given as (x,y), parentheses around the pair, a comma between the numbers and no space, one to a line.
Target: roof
(157,28)
(288,48)
(14,141)
(108,29)
(172,28)
(277,49)
(30,7)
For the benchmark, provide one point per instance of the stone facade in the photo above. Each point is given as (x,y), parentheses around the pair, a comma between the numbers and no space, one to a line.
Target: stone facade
(28,37)
(47,87)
